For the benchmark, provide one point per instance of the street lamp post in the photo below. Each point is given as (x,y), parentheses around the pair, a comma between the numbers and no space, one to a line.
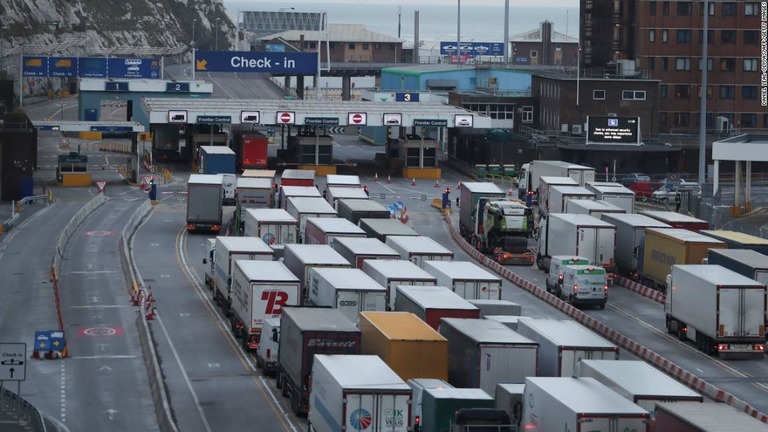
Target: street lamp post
(216,39)
(21,65)
(194,20)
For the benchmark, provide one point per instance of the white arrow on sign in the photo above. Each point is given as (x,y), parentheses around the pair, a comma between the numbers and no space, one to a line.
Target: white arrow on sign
(13,364)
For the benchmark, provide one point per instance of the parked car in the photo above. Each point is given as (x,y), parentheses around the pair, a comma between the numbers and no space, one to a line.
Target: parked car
(634,177)
(668,189)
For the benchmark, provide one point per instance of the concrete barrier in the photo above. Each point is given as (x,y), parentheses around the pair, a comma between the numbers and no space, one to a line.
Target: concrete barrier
(72,227)
(619,339)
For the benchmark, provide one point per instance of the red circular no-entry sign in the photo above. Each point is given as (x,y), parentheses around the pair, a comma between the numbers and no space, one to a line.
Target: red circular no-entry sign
(357,118)
(285,117)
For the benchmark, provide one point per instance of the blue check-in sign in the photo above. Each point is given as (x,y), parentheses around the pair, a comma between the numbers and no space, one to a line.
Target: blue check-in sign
(262,62)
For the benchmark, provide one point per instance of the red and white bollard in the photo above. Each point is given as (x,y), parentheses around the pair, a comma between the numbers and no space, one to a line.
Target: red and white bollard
(458,186)
(437,183)
(413,182)
(376,177)
(389,179)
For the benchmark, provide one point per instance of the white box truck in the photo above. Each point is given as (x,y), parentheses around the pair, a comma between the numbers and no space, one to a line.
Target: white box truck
(229,249)
(210,269)
(466,279)
(391,273)
(356,393)
(562,343)
(418,385)
(268,351)
(418,249)
(204,202)
(483,353)
(254,192)
(356,209)
(496,307)
(300,259)
(334,194)
(260,290)
(630,237)
(356,250)
(302,208)
(509,397)
(559,195)
(347,289)
(576,235)
(721,311)
(546,184)
(383,228)
(578,405)
(275,226)
(594,208)
(637,381)
(323,230)
(288,192)
(342,180)
(614,193)
(530,173)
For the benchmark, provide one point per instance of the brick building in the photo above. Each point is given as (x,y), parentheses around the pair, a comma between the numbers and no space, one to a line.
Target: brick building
(543,46)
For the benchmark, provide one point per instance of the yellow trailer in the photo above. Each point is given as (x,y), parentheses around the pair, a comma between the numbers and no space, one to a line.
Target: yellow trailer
(665,247)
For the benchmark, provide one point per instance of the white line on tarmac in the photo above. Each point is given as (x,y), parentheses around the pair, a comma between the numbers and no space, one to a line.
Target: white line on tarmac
(105,357)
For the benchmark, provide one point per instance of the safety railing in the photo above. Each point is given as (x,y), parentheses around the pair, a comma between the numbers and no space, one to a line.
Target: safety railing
(16,409)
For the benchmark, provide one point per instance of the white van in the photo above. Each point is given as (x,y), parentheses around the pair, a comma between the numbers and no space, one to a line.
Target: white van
(584,284)
(266,353)
(555,275)
(229,184)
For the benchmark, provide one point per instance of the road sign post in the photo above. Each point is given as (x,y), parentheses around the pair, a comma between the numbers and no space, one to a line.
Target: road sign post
(13,361)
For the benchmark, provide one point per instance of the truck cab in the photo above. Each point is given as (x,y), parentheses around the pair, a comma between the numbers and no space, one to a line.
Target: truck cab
(554,279)
(585,284)
(267,351)
(229,184)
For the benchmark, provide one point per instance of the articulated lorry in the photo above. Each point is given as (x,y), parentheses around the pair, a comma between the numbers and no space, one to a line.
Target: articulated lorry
(706,417)
(391,273)
(630,237)
(322,230)
(303,208)
(739,240)
(347,289)
(419,249)
(530,173)
(721,311)
(432,303)
(745,262)
(260,290)
(664,247)
(356,249)
(227,251)
(355,209)
(614,193)
(576,235)
(204,203)
(465,278)
(301,258)
(276,227)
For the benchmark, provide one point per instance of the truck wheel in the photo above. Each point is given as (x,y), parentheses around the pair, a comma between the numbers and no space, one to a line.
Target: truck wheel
(295,403)
(285,390)
(278,381)
(601,305)
(680,332)
(540,261)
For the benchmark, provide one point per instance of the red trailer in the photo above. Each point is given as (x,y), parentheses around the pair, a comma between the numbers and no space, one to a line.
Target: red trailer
(432,303)
(297,177)
(677,220)
(251,148)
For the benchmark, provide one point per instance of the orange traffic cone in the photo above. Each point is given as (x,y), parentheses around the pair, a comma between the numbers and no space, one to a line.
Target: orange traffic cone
(413,182)
(509,192)
(376,177)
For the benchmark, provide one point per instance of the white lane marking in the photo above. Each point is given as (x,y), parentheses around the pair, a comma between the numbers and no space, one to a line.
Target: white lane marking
(91,271)
(63,400)
(220,86)
(104,357)
(99,306)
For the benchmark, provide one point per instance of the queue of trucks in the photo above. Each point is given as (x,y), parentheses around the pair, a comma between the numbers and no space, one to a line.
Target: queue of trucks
(406,301)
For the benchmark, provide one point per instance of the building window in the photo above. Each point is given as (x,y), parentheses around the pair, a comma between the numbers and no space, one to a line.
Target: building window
(665,8)
(748,120)
(651,36)
(651,63)
(709,92)
(683,64)
(727,64)
(710,36)
(527,114)
(652,8)
(312,45)
(710,64)
(351,46)
(749,92)
(730,9)
(663,118)
(751,65)
(684,8)
(534,53)
(682,91)
(765,120)
(751,37)
(709,120)
(663,91)
(366,47)
(683,36)
(665,63)
(598,94)
(711,9)
(633,95)
(665,36)
(751,9)
(727,92)
(377,46)
(728,36)
(682,119)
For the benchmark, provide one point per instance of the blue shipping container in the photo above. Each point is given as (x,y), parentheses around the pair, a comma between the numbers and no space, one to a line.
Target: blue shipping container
(217,160)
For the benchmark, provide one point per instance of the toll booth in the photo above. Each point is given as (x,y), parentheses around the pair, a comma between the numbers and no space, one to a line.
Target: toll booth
(313,150)
(419,157)
(72,170)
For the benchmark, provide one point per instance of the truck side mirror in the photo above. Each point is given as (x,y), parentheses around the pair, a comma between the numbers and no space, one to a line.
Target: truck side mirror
(205,261)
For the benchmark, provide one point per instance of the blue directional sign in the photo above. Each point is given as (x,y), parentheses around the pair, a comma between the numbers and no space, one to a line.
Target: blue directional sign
(116,86)
(473,48)
(177,87)
(92,67)
(133,68)
(43,340)
(291,63)
(62,66)
(111,128)
(406,97)
(35,66)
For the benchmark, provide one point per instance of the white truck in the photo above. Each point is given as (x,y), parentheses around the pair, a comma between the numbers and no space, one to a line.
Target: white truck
(356,209)
(254,192)
(554,279)
(383,228)
(466,279)
(276,227)
(594,208)
(576,235)
(347,289)
(300,259)
(260,290)
(229,249)
(204,203)
(509,397)
(530,173)
(343,180)
(584,285)
(302,208)
(268,351)
(720,310)
(418,249)
(638,382)
(483,353)
(496,307)
(562,343)
(357,393)
(210,269)
(418,385)
(391,273)
(323,230)
(560,195)
(229,188)
(614,193)
(288,192)
(630,236)
(334,194)
(546,183)
(356,250)
(578,405)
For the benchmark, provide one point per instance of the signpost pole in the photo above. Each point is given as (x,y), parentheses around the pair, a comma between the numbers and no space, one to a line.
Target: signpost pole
(21,78)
